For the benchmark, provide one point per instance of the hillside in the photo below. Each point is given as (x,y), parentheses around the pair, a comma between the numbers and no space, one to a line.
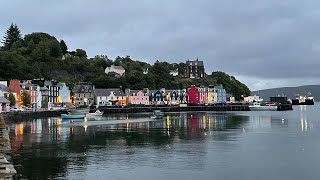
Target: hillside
(290,92)
(41,55)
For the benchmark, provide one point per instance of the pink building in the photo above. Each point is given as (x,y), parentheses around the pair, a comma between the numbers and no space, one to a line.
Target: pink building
(27,86)
(203,95)
(138,97)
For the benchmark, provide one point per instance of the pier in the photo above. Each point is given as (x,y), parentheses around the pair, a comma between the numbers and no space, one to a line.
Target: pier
(108,110)
(173,108)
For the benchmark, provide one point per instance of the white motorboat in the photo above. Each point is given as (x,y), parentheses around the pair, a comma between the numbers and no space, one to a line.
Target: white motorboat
(97,113)
(94,115)
(256,106)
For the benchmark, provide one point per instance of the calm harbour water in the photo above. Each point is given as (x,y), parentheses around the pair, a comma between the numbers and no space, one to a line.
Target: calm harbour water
(197,145)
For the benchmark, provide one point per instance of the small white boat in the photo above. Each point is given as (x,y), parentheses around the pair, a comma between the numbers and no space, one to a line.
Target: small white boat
(97,113)
(258,107)
(157,114)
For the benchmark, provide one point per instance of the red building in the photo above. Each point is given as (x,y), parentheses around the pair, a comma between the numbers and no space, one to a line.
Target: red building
(193,95)
(14,85)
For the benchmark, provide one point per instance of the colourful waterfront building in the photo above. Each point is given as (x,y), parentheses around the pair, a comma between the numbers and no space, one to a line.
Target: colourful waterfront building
(157,96)
(203,95)
(14,85)
(193,95)
(4,104)
(137,97)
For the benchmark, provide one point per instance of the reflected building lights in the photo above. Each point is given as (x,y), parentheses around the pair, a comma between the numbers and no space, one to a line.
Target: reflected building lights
(204,122)
(168,122)
(303,118)
(19,129)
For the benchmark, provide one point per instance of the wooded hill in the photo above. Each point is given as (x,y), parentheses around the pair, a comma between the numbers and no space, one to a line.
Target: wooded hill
(40,55)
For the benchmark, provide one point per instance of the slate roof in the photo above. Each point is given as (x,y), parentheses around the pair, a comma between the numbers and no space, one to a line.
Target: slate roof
(107,92)
(44,88)
(154,91)
(118,67)
(82,88)
(4,88)
(4,100)
(192,63)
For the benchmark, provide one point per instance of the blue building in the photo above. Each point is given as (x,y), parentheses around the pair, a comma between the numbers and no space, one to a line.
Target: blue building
(156,96)
(221,93)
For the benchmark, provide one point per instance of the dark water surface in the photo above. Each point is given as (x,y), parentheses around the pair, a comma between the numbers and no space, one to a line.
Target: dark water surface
(198,145)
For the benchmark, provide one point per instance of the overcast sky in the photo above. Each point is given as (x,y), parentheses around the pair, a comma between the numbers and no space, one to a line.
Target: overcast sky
(263,43)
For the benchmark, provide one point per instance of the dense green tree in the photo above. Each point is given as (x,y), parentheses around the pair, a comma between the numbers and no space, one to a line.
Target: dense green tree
(230,83)
(31,46)
(26,98)
(81,53)
(63,47)
(11,36)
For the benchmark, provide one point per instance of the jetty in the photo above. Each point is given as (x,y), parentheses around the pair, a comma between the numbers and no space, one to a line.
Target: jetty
(108,110)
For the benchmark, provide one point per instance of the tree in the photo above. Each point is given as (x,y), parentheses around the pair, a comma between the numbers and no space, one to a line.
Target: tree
(63,47)
(26,98)
(11,98)
(11,36)
(81,53)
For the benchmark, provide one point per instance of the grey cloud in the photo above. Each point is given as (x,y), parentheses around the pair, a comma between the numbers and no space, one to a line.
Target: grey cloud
(267,39)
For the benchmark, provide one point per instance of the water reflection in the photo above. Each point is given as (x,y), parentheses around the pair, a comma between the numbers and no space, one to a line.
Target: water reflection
(48,148)
(304,121)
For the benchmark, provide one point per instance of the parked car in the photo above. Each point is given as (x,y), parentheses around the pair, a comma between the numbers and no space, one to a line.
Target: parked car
(16,109)
(13,109)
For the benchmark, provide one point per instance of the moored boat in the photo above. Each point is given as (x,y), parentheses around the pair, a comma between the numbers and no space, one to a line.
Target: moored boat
(303,100)
(256,106)
(73,116)
(96,113)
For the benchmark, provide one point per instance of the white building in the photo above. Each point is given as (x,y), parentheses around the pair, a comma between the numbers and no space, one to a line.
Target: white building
(64,93)
(174,72)
(117,70)
(145,71)
(38,94)
(251,99)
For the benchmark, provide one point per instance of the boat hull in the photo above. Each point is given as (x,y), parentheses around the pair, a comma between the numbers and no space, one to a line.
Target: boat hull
(73,116)
(263,108)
